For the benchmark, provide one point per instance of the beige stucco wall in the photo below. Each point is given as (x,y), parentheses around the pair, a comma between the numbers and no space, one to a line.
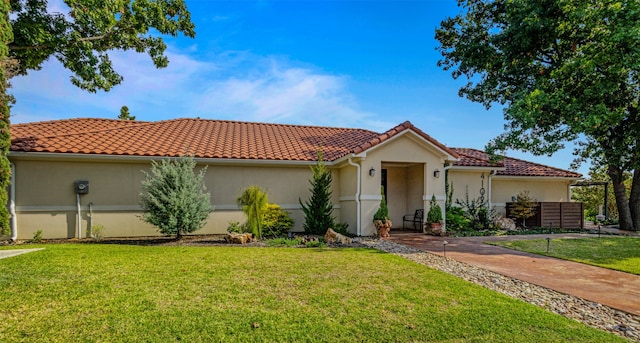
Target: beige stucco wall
(45,199)
(466,181)
(410,163)
(503,188)
(550,190)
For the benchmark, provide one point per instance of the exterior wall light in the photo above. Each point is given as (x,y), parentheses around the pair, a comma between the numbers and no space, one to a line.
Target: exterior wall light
(436,173)
(372,172)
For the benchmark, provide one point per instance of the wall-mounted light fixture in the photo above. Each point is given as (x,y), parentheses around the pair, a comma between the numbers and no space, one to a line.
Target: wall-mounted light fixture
(372,172)
(436,173)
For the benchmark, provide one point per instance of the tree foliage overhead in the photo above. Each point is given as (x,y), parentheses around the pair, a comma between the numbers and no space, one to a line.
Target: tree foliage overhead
(81,39)
(565,70)
(6,36)
(318,210)
(174,198)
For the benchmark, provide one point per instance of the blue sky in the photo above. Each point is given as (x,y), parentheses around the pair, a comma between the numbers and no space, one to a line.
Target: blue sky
(365,64)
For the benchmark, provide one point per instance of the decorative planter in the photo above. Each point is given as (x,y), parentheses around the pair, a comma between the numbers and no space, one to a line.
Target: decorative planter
(382,227)
(436,229)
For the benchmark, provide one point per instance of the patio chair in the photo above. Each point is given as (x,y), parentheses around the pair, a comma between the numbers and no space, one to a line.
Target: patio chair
(417,219)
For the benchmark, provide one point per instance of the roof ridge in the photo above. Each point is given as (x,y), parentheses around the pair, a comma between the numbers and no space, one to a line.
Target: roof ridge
(267,124)
(71,119)
(488,161)
(542,165)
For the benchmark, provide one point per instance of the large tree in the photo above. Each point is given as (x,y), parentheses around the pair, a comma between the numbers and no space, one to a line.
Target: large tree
(80,40)
(564,70)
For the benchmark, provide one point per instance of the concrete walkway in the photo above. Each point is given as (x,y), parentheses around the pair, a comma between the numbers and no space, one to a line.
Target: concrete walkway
(608,287)
(15,252)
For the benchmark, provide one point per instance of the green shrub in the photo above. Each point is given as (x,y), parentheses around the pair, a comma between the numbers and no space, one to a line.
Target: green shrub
(97,232)
(254,202)
(435,211)
(236,227)
(478,212)
(174,197)
(524,207)
(318,210)
(456,219)
(276,222)
(383,211)
(37,237)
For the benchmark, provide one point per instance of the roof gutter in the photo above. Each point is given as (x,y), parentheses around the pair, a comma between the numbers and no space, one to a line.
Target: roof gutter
(358,206)
(12,205)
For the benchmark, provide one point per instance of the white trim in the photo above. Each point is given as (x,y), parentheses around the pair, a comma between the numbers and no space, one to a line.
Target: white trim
(500,204)
(536,178)
(371,197)
(104,208)
(19,155)
(347,198)
(357,196)
(134,208)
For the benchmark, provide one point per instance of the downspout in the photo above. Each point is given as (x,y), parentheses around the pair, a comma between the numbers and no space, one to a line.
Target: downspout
(358,214)
(90,221)
(446,178)
(79,217)
(493,172)
(12,205)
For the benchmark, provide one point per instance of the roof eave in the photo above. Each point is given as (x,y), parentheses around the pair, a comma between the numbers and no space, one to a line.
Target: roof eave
(22,155)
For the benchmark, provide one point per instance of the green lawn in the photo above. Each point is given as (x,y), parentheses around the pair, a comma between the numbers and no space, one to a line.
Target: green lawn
(113,293)
(619,253)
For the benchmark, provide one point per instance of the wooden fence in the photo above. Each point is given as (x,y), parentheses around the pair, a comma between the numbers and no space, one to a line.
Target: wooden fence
(566,215)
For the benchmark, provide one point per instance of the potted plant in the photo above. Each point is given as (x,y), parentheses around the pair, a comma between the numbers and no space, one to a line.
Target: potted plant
(381,218)
(434,216)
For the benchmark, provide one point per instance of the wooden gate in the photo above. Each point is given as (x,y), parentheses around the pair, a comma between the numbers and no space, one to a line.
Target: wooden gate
(566,215)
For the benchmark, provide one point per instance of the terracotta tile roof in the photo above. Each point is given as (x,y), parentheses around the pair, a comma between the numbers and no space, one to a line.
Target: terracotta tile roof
(397,130)
(69,126)
(234,140)
(509,166)
(202,138)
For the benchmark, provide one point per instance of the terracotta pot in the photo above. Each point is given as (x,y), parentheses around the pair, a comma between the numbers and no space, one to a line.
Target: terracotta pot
(382,227)
(436,229)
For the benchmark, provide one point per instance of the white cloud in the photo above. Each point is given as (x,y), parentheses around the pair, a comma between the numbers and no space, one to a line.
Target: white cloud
(232,85)
(286,94)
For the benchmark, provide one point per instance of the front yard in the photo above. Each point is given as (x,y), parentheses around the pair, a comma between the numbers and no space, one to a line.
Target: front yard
(618,253)
(92,292)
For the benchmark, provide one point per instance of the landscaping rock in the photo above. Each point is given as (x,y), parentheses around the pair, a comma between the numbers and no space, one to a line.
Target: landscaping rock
(505,224)
(333,237)
(238,238)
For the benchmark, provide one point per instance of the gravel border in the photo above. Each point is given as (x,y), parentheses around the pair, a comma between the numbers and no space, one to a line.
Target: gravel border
(590,313)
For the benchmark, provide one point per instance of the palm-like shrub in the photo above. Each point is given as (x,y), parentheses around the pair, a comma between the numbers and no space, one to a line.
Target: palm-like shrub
(254,202)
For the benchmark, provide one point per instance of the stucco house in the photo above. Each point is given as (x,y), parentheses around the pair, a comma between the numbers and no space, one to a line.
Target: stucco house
(52,160)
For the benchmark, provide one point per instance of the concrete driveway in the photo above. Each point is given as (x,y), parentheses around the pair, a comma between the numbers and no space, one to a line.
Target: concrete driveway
(615,289)
(15,252)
